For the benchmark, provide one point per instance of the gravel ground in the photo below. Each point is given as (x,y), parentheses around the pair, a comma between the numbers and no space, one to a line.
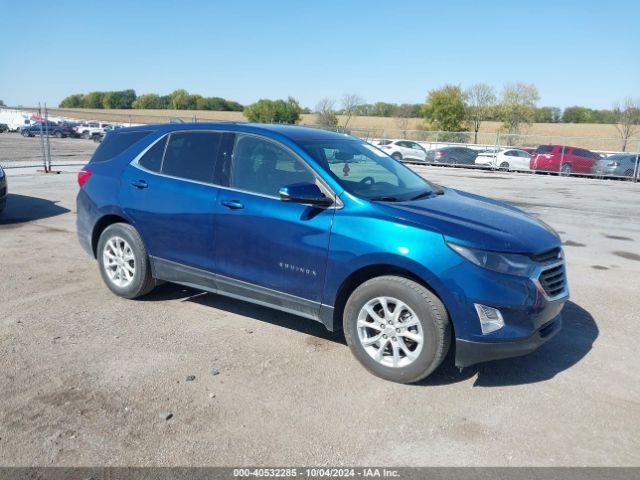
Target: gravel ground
(183,377)
(19,151)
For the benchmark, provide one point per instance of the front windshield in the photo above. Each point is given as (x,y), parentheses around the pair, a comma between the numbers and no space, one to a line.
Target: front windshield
(366,171)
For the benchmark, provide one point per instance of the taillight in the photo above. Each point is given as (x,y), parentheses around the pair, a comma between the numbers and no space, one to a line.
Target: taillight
(438,154)
(387,147)
(83,176)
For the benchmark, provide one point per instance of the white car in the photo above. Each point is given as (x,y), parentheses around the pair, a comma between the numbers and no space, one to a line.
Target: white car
(89,129)
(402,149)
(505,159)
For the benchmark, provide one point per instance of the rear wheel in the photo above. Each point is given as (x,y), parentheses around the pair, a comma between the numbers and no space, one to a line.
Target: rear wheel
(58,134)
(86,135)
(565,169)
(123,260)
(397,156)
(396,328)
(504,166)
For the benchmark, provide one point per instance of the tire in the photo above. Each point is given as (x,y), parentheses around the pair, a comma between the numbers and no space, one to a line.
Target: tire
(397,156)
(58,134)
(504,166)
(86,135)
(24,133)
(423,307)
(140,282)
(565,170)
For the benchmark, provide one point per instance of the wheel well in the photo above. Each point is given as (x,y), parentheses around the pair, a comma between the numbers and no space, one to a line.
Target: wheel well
(360,276)
(103,223)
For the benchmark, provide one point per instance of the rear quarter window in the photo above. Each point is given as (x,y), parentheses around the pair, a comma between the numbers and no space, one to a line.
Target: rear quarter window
(115,143)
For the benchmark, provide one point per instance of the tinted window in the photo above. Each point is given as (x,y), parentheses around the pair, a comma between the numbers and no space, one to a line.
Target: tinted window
(152,160)
(261,166)
(115,143)
(192,155)
(545,149)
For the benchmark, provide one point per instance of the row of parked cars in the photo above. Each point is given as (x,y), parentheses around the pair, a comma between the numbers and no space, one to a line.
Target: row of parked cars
(545,158)
(89,130)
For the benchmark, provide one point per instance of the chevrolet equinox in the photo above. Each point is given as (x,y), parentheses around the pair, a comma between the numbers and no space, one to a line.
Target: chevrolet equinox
(327,227)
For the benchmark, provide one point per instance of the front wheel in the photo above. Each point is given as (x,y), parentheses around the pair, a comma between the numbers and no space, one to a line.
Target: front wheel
(504,166)
(396,328)
(123,261)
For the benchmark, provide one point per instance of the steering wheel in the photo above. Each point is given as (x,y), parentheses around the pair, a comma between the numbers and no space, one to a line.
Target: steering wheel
(369,180)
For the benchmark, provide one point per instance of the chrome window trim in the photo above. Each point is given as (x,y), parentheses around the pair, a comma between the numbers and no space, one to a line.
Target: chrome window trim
(338,204)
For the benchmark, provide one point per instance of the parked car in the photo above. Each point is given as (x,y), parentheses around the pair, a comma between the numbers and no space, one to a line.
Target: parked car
(3,189)
(4,127)
(563,159)
(55,130)
(453,155)
(504,159)
(618,165)
(327,227)
(88,129)
(403,149)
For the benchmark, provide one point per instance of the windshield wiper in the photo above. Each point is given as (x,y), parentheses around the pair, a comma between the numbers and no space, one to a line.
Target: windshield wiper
(426,193)
(384,198)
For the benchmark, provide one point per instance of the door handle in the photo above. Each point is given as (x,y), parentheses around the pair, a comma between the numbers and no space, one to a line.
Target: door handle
(140,184)
(232,204)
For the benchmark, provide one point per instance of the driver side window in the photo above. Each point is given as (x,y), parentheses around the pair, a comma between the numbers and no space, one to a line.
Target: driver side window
(263,167)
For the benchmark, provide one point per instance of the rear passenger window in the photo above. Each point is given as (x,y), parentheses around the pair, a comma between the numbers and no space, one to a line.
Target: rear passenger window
(152,159)
(192,155)
(261,166)
(116,143)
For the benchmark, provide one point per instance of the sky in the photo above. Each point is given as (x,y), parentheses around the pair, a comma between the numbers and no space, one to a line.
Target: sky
(576,52)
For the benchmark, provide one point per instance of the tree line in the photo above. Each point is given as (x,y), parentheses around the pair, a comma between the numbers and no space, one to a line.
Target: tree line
(127,99)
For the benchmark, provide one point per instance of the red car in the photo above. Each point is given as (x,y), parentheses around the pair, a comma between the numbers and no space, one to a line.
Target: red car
(563,159)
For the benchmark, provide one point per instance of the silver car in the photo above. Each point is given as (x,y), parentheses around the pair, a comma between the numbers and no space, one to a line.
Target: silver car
(618,165)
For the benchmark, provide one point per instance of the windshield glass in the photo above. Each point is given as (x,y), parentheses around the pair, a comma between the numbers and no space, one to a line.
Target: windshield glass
(366,171)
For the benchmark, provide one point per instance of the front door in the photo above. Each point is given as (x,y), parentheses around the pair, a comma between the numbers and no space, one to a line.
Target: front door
(266,249)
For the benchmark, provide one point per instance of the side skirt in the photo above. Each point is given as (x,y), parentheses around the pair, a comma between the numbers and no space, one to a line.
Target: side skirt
(204,280)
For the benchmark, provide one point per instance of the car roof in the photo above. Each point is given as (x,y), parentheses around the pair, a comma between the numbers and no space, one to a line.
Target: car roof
(292,132)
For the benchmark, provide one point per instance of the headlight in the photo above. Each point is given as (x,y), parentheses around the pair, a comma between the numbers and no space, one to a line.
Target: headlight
(509,263)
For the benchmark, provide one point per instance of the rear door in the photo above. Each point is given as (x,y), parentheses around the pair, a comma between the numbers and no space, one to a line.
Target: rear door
(170,193)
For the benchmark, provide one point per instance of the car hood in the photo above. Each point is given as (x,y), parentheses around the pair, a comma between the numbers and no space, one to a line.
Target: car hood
(479,222)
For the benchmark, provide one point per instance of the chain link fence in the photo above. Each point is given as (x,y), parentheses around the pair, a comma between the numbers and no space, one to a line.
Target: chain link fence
(588,156)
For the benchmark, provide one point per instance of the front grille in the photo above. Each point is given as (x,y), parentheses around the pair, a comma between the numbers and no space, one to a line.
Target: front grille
(554,280)
(548,256)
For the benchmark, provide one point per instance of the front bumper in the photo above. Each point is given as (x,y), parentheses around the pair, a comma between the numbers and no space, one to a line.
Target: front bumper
(469,352)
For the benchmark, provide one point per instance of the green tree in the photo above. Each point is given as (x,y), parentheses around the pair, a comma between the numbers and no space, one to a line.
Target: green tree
(517,106)
(547,115)
(72,101)
(93,100)
(122,99)
(576,114)
(446,109)
(151,101)
(273,111)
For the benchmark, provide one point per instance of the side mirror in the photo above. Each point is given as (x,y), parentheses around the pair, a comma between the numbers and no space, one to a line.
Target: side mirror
(305,193)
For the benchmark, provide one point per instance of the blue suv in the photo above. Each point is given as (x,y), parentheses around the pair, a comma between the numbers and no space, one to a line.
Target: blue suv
(328,227)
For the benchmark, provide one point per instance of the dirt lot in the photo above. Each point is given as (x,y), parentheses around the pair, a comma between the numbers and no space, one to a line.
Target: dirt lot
(92,379)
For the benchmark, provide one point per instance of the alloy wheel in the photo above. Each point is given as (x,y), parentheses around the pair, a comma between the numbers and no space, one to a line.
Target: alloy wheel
(119,261)
(390,332)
